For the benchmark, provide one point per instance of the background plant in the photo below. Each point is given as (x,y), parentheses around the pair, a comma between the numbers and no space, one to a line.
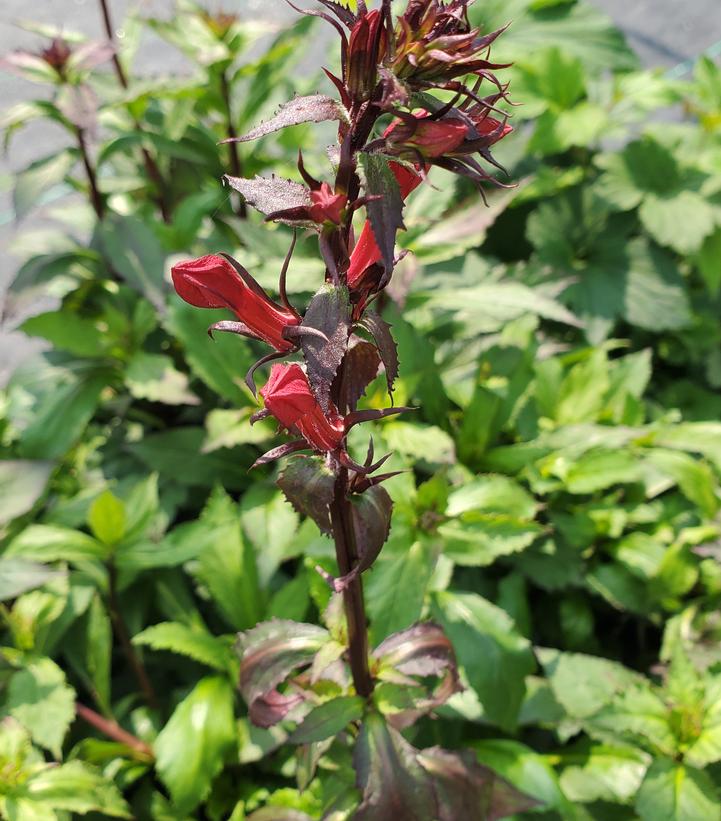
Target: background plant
(566,453)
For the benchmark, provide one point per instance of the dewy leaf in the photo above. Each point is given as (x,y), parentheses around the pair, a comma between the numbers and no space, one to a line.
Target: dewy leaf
(269,653)
(328,312)
(385,213)
(328,719)
(271,194)
(192,747)
(673,792)
(40,699)
(19,575)
(309,485)
(380,330)
(316,108)
(22,483)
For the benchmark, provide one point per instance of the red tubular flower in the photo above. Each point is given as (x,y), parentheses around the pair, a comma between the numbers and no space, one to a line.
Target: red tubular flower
(327,206)
(213,282)
(289,398)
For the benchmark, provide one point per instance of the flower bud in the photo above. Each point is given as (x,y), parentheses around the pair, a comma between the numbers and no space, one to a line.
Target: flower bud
(288,396)
(213,282)
(366,48)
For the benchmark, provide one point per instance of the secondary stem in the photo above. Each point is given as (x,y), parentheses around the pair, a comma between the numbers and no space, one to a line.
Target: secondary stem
(113,730)
(95,196)
(236,167)
(347,556)
(121,631)
(151,167)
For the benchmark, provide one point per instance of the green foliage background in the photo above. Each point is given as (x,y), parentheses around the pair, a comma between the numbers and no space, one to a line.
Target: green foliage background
(560,515)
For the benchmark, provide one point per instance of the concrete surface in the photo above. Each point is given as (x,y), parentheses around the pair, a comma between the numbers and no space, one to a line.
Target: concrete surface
(664,32)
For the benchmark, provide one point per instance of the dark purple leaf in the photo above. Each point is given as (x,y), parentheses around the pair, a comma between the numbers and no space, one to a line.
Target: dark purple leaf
(344,14)
(465,789)
(328,312)
(421,650)
(269,653)
(372,523)
(314,109)
(279,452)
(361,368)
(380,330)
(386,212)
(394,785)
(309,485)
(271,194)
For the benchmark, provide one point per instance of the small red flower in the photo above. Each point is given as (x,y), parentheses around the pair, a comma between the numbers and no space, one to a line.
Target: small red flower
(288,397)
(327,206)
(213,282)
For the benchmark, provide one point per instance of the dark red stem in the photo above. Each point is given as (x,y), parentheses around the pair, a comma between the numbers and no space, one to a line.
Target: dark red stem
(236,167)
(151,167)
(121,631)
(95,197)
(347,556)
(113,730)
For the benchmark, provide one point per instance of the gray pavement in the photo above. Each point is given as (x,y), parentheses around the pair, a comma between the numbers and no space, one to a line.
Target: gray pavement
(664,32)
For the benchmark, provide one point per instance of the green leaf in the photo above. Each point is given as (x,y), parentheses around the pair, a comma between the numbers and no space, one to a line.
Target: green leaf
(495,657)
(22,483)
(106,518)
(673,792)
(18,575)
(492,494)
(694,478)
(270,525)
(227,564)
(328,719)
(135,252)
(34,182)
(709,261)
(602,772)
(49,543)
(68,332)
(477,539)
(682,221)
(155,378)
(192,747)
(41,700)
(60,417)
(75,787)
(421,442)
(220,362)
(197,644)
(600,469)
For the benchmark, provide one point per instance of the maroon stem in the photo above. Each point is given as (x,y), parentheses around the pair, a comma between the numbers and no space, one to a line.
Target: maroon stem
(236,167)
(151,167)
(112,730)
(347,557)
(121,631)
(95,196)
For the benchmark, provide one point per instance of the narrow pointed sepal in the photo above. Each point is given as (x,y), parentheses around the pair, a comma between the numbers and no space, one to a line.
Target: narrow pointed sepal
(280,452)
(231,326)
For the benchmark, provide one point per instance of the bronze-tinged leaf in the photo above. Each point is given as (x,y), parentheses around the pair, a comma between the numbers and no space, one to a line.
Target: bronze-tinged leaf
(309,485)
(316,108)
(362,361)
(421,650)
(328,312)
(394,785)
(271,194)
(385,213)
(380,331)
(465,789)
(269,654)
(372,523)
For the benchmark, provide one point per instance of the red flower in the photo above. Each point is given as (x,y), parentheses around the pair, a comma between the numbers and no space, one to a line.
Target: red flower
(213,282)
(289,398)
(327,205)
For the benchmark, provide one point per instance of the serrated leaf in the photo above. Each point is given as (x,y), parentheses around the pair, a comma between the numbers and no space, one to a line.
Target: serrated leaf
(192,747)
(328,312)
(196,644)
(362,361)
(380,331)
(673,792)
(49,543)
(41,700)
(155,378)
(328,719)
(316,108)
(19,575)
(386,213)
(22,483)
(271,194)
(309,485)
